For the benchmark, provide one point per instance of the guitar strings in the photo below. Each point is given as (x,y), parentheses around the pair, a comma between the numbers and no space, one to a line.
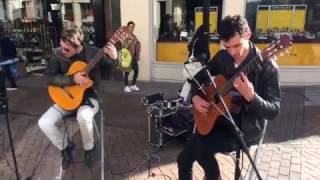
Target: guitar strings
(211,101)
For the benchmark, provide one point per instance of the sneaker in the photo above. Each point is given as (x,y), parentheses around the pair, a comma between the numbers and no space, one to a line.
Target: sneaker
(127,89)
(134,88)
(89,157)
(67,156)
(12,89)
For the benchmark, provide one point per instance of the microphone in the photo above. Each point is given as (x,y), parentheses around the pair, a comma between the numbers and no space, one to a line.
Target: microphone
(191,69)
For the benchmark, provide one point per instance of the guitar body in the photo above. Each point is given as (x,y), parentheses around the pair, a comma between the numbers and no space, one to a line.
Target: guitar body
(69,97)
(206,121)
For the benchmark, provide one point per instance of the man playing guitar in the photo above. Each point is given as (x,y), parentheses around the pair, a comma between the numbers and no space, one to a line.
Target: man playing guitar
(72,49)
(259,90)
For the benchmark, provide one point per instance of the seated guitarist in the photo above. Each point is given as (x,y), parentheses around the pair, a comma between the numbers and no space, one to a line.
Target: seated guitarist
(72,49)
(259,90)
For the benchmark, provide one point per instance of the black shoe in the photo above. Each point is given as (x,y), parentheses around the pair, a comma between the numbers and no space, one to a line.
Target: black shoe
(67,156)
(89,157)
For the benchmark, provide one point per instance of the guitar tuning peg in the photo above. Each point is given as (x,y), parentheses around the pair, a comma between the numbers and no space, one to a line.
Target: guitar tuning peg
(281,54)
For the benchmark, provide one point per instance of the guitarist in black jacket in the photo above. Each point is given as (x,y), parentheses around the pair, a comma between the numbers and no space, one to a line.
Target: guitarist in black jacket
(72,49)
(259,91)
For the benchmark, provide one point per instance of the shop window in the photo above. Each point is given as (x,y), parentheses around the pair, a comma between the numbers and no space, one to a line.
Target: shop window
(68,12)
(176,20)
(298,18)
(87,23)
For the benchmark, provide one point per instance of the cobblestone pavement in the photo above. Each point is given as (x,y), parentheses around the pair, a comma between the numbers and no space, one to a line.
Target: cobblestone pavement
(291,149)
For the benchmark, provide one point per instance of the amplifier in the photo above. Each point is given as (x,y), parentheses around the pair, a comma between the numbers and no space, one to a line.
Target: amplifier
(156,136)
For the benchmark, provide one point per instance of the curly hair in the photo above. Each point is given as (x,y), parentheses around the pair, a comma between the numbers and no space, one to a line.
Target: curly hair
(73,36)
(230,25)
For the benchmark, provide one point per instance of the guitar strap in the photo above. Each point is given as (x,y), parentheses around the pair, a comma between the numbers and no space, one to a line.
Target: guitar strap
(257,71)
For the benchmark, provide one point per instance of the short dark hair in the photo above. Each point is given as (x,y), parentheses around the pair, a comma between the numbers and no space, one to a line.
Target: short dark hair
(230,25)
(131,22)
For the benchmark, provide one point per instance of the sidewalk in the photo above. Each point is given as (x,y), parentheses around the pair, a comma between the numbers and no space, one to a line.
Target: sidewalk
(291,149)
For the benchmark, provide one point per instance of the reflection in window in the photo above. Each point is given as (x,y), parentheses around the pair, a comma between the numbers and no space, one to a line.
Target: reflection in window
(179,18)
(298,18)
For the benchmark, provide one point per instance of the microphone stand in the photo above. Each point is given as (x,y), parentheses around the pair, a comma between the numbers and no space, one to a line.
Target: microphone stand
(236,130)
(4,110)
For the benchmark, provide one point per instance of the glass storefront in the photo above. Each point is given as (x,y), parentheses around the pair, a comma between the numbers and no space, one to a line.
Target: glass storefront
(35,26)
(176,21)
(300,19)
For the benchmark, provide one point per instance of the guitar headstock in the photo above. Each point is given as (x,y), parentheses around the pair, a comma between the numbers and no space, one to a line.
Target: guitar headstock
(120,35)
(276,47)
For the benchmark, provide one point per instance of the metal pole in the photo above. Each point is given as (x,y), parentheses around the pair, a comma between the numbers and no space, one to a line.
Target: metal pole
(11,145)
(206,16)
(4,110)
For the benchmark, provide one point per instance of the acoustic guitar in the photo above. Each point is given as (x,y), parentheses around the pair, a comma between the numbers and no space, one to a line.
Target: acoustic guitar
(70,97)
(205,121)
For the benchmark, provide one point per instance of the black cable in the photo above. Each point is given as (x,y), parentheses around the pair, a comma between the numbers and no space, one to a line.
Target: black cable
(149,156)
(36,166)
(138,166)
(4,155)
(162,174)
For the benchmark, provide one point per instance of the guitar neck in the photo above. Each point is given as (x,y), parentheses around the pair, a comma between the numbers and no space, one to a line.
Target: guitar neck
(246,69)
(98,56)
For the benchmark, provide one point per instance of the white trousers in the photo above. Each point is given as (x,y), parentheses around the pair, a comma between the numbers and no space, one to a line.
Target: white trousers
(50,120)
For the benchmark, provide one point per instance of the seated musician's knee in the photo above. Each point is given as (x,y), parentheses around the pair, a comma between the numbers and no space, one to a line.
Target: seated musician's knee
(45,123)
(85,114)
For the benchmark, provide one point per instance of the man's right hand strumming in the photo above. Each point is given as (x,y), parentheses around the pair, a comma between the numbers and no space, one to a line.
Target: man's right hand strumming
(81,79)
(200,104)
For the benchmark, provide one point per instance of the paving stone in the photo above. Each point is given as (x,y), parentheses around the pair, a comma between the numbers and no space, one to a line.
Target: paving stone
(290,150)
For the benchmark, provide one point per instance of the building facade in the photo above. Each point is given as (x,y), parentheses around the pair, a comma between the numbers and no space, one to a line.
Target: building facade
(163,54)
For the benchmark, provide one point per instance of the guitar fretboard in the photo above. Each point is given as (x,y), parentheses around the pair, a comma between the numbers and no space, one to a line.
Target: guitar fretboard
(246,69)
(114,39)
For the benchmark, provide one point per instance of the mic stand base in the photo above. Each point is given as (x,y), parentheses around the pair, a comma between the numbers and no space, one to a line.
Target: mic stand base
(246,150)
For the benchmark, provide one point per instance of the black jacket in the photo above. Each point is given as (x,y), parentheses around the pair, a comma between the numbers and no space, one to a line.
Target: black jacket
(266,103)
(58,66)
(7,48)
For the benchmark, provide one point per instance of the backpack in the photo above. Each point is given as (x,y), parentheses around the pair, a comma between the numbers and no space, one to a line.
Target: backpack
(125,60)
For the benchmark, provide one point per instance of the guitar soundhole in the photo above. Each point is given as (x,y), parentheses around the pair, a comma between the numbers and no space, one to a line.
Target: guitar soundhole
(217,98)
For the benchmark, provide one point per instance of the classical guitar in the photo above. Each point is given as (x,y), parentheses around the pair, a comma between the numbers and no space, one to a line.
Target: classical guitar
(206,121)
(70,97)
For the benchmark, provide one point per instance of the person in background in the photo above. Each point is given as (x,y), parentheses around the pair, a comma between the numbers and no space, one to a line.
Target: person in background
(134,47)
(8,51)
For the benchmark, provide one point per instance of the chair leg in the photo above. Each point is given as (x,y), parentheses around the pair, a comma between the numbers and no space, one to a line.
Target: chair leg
(96,128)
